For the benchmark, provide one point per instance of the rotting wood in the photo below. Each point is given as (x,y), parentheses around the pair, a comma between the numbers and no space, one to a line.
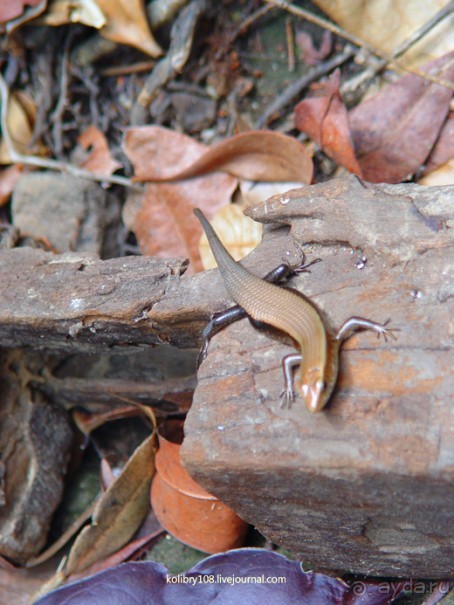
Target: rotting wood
(367,485)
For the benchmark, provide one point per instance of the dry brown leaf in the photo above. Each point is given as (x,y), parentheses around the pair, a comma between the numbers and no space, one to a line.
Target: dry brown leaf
(395,131)
(392,136)
(118,513)
(165,225)
(149,530)
(258,155)
(100,160)
(239,234)
(162,219)
(127,24)
(384,24)
(156,152)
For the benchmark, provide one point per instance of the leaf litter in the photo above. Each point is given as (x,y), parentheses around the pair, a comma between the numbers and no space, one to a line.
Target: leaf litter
(378,139)
(388,137)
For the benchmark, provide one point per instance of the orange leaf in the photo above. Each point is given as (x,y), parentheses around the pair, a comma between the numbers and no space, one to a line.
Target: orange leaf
(324,119)
(100,160)
(8,180)
(183,507)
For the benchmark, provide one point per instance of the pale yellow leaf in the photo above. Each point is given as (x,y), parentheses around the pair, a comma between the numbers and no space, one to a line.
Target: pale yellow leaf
(127,24)
(384,24)
(239,234)
(443,175)
(19,127)
(61,12)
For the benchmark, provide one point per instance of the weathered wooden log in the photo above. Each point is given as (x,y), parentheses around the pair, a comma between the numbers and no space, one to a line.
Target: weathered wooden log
(76,302)
(367,484)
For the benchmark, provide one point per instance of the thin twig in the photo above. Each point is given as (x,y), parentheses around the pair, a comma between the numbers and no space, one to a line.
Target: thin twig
(295,88)
(47,163)
(57,116)
(290,44)
(324,23)
(246,24)
(135,68)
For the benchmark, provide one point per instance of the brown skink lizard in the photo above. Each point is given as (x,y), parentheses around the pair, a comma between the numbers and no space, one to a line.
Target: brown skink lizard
(292,313)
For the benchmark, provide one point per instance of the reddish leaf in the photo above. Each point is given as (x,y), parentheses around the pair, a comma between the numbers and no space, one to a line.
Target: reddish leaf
(11,9)
(307,51)
(392,133)
(162,219)
(324,119)
(443,150)
(258,155)
(99,160)
(395,131)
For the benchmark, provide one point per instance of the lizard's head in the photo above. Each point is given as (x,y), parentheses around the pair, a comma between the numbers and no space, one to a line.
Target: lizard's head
(316,388)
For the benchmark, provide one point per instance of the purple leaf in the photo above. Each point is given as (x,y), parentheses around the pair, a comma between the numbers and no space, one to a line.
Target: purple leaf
(246,575)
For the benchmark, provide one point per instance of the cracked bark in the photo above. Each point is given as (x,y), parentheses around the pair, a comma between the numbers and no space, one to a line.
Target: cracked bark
(366,485)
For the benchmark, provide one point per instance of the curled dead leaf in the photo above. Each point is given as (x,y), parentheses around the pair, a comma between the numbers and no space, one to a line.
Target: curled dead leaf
(257,155)
(162,219)
(183,507)
(395,25)
(20,119)
(61,12)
